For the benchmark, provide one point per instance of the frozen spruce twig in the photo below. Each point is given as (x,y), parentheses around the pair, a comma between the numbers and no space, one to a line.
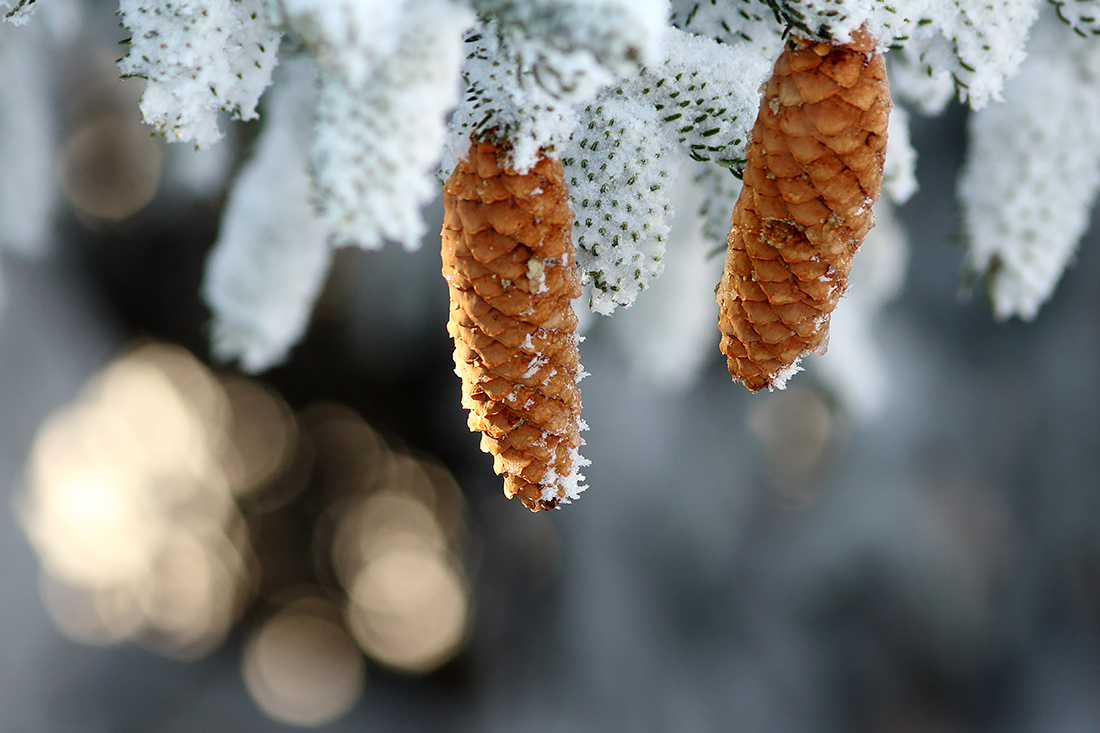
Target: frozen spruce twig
(199,57)
(389,76)
(529,63)
(1082,15)
(1033,171)
(270,260)
(698,104)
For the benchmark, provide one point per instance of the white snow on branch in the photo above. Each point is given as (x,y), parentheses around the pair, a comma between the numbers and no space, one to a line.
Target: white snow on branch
(270,260)
(899,175)
(706,94)
(380,120)
(974,43)
(619,166)
(1033,171)
(742,21)
(530,63)
(28,187)
(668,335)
(699,103)
(199,57)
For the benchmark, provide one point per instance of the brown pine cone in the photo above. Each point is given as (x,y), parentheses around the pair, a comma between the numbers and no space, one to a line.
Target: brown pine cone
(813,170)
(510,264)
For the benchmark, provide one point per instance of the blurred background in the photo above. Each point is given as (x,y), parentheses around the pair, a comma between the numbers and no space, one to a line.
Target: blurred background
(187,548)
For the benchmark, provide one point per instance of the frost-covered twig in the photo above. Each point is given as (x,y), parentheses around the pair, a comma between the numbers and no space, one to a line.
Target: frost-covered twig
(271,257)
(199,57)
(381,114)
(1033,171)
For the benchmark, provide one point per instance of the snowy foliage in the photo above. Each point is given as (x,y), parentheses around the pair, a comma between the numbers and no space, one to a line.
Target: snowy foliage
(199,57)
(271,258)
(631,142)
(899,175)
(1033,172)
(528,64)
(667,335)
(741,21)
(1082,15)
(381,116)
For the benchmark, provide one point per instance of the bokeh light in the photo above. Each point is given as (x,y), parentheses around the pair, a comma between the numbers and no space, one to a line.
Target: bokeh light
(131,513)
(159,499)
(301,666)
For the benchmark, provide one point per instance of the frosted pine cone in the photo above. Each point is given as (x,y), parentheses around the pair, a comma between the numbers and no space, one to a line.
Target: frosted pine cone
(510,264)
(813,170)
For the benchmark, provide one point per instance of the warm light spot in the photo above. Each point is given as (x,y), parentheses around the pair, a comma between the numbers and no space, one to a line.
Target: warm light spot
(408,609)
(302,668)
(111,167)
(379,523)
(188,598)
(90,529)
(264,435)
(99,617)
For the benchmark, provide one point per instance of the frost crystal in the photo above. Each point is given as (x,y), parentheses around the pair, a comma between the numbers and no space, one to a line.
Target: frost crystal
(199,57)
(741,21)
(380,120)
(1033,172)
(668,335)
(899,175)
(976,44)
(270,259)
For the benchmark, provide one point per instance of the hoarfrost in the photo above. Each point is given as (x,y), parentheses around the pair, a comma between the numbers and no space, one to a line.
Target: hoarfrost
(270,259)
(899,175)
(381,117)
(618,169)
(1033,171)
(199,57)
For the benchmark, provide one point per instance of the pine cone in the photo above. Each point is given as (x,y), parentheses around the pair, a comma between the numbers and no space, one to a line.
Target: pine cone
(510,264)
(813,170)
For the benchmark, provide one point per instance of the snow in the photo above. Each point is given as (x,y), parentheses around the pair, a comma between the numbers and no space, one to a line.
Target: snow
(380,121)
(271,258)
(1033,172)
(530,64)
(899,174)
(620,203)
(199,57)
